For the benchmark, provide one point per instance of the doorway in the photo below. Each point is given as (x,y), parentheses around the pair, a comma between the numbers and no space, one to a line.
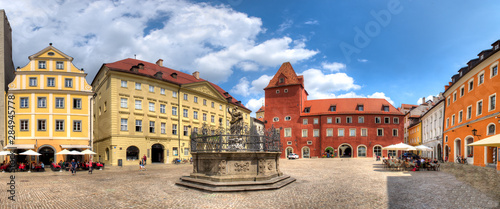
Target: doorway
(157,153)
(47,155)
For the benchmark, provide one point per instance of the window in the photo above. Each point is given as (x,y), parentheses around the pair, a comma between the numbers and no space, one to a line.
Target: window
(480,79)
(288,118)
(124,84)
(304,132)
(185,113)
(380,132)
(138,86)
(446,139)
(329,132)
(304,121)
(59,125)
(51,82)
(205,102)
(123,102)
(471,85)
(386,108)
(77,125)
(174,94)
(352,132)
(462,91)
(174,151)
(282,80)
(377,120)
(276,119)
(132,153)
(162,108)
(333,108)
(77,104)
(448,100)
(213,105)
(328,120)
(454,96)
(42,65)
(309,142)
(151,106)
(361,119)
(59,102)
(288,132)
(395,120)
(469,112)
(362,151)
(494,70)
(68,82)
(33,82)
(195,99)
(151,88)
(394,132)
(453,119)
(24,125)
(286,90)
(288,143)
(186,97)
(341,132)
(447,122)
(24,102)
(163,128)
(42,125)
(174,129)
(204,117)
(316,133)
(491,129)
(220,107)
(59,65)
(42,102)
(174,110)
(364,132)
(387,120)
(479,108)
(124,124)
(212,119)
(360,108)
(162,91)
(277,91)
(307,109)
(492,102)
(338,120)
(348,119)
(460,116)
(151,126)
(315,121)
(138,125)
(195,115)
(138,104)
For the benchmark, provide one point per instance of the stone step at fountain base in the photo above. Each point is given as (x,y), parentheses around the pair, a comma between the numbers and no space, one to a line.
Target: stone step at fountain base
(235,186)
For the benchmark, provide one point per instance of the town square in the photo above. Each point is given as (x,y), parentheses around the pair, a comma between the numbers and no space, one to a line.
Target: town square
(249,104)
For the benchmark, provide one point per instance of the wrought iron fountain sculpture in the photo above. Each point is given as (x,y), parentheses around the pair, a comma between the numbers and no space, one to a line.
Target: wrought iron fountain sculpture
(238,159)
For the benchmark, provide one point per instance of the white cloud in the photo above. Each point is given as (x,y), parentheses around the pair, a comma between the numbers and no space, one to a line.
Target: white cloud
(362,60)
(256,88)
(242,88)
(214,40)
(351,94)
(320,85)
(254,105)
(311,22)
(381,95)
(430,97)
(285,25)
(334,66)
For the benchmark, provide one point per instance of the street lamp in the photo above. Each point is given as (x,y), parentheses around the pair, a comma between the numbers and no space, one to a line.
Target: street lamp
(474,131)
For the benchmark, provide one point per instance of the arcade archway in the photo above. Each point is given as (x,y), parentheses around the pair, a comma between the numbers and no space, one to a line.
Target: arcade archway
(345,150)
(157,153)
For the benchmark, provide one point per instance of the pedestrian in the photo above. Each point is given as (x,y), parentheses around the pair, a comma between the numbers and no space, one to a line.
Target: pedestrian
(73,167)
(144,158)
(90,166)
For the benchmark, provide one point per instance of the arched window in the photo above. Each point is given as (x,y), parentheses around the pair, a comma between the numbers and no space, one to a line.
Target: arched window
(491,129)
(470,149)
(361,151)
(377,150)
(132,153)
(107,154)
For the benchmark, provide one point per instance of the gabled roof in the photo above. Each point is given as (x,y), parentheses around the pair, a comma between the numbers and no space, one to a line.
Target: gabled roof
(47,49)
(151,70)
(348,106)
(408,106)
(286,71)
(261,109)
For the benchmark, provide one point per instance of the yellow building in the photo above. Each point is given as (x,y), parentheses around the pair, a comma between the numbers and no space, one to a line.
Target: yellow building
(143,108)
(415,134)
(52,103)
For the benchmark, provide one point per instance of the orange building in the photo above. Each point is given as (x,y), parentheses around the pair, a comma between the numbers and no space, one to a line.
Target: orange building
(470,109)
(415,134)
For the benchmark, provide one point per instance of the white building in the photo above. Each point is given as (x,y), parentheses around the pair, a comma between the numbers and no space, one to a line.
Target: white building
(432,128)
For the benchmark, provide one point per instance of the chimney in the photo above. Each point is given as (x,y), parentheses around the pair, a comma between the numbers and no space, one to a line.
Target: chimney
(196,74)
(160,62)
(423,100)
(141,66)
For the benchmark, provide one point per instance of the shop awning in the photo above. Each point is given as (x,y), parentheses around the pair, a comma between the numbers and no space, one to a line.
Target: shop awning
(20,146)
(492,141)
(74,146)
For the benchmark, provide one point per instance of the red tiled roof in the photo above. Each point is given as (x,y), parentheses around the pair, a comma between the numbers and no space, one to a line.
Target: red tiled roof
(261,109)
(349,106)
(151,69)
(408,106)
(286,71)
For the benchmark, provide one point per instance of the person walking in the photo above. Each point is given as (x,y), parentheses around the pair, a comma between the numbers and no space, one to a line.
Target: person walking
(90,166)
(73,167)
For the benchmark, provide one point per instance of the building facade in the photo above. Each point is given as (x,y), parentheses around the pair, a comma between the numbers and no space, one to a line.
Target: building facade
(144,108)
(6,71)
(415,133)
(52,103)
(470,105)
(432,129)
(353,127)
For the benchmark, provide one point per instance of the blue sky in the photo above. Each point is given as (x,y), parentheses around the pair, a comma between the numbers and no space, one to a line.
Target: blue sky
(401,50)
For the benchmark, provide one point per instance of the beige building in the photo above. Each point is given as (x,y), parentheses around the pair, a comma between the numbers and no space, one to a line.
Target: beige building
(6,70)
(143,108)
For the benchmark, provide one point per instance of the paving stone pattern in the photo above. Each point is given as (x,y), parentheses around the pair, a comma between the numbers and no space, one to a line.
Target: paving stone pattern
(321,183)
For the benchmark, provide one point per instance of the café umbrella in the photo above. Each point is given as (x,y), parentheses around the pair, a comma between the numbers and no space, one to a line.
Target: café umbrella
(30,153)
(400,146)
(492,141)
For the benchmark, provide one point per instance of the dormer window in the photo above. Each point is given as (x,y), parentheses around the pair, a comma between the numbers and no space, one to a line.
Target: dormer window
(333,108)
(385,108)
(360,108)
(481,57)
(496,47)
(282,80)
(307,110)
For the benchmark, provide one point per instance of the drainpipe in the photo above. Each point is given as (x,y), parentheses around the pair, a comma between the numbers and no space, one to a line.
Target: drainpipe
(179,121)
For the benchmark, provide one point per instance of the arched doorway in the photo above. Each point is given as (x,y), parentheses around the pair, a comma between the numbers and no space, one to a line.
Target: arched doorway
(329,152)
(47,155)
(132,153)
(345,150)
(306,152)
(446,152)
(361,151)
(469,149)
(157,153)
(288,151)
(377,150)
(457,149)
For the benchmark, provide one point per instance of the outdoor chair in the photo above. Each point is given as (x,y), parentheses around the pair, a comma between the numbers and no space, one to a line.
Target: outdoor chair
(55,167)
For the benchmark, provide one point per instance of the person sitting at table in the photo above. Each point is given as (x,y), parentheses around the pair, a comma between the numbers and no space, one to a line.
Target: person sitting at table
(435,161)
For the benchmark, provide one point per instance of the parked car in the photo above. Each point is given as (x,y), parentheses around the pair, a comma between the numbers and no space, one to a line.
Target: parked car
(293,156)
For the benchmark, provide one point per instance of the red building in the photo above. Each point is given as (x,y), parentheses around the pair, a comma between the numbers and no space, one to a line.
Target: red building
(348,127)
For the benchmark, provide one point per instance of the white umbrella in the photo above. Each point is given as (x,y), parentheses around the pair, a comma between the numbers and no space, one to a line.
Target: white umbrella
(30,153)
(74,152)
(6,153)
(63,152)
(88,152)
(400,146)
(423,148)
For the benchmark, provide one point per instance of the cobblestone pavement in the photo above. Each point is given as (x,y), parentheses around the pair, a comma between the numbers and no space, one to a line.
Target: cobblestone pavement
(321,183)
